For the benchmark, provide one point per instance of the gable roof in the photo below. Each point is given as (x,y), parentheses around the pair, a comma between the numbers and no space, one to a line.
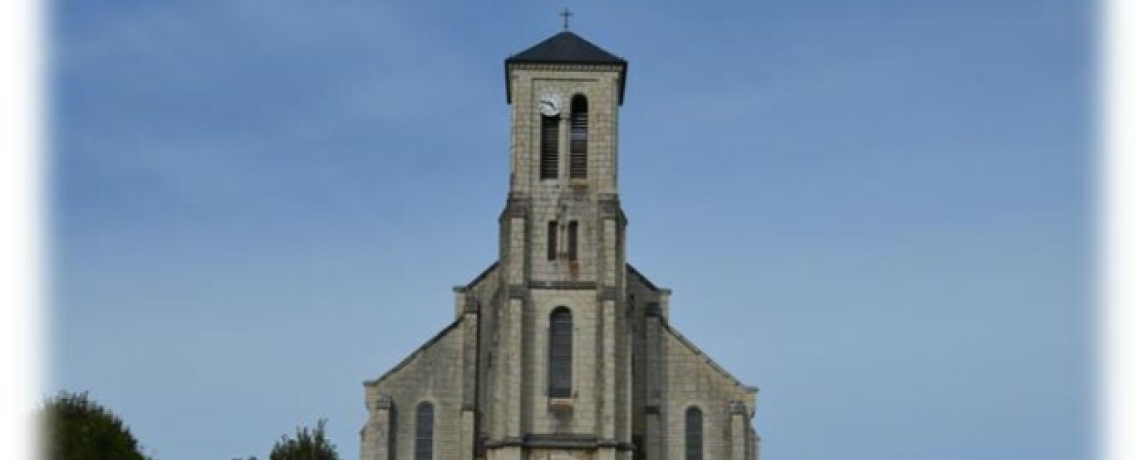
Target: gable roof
(566,48)
(412,357)
(642,278)
(708,359)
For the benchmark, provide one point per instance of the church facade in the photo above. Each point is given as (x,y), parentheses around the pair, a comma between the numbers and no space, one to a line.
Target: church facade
(561,349)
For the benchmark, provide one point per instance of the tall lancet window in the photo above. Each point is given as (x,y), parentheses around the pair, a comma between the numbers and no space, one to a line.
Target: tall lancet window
(572,240)
(549,146)
(552,240)
(694,434)
(579,135)
(425,428)
(561,353)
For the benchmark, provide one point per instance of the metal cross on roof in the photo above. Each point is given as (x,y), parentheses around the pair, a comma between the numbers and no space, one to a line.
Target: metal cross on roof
(565,18)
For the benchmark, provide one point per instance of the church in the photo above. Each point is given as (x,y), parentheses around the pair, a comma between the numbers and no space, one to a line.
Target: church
(560,350)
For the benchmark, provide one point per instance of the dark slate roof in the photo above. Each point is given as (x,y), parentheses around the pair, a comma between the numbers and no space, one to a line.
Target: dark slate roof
(566,48)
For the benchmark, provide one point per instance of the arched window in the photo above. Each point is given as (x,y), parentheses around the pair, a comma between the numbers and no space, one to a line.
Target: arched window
(579,134)
(694,434)
(425,427)
(561,353)
(549,145)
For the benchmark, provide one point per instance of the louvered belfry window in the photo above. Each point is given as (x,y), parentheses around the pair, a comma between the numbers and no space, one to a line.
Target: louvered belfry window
(694,434)
(579,135)
(425,427)
(561,353)
(549,161)
(572,240)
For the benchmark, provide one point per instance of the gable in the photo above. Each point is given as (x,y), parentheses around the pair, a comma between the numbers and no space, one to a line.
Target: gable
(445,342)
(682,347)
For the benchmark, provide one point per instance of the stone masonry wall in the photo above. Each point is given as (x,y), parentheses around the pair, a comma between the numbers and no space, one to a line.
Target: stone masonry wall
(694,380)
(563,199)
(580,418)
(432,374)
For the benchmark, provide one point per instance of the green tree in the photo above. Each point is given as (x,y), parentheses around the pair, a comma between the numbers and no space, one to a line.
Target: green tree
(305,445)
(78,428)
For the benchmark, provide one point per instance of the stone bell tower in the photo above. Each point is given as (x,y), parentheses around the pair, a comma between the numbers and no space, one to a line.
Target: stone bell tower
(561,256)
(560,350)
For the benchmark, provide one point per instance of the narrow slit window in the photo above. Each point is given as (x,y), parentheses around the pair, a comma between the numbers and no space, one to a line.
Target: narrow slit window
(561,351)
(425,430)
(694,434)
(552,240)
(579,136)
(549,147)
(572,240)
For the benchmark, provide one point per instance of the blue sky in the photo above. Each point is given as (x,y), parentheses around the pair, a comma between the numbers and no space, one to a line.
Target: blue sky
(879,212)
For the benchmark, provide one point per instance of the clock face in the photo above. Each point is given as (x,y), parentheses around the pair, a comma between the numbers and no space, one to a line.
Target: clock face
(550,104)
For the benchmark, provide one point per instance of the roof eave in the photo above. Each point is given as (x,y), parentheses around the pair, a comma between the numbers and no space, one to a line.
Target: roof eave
(622,73)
